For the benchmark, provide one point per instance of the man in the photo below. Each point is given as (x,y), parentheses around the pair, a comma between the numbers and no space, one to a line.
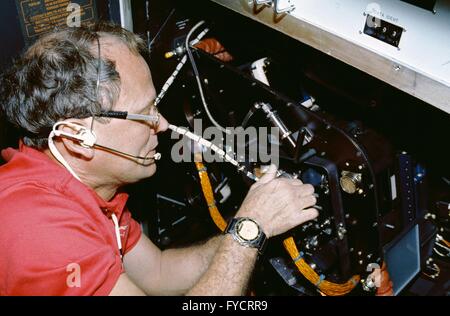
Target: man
(65,228)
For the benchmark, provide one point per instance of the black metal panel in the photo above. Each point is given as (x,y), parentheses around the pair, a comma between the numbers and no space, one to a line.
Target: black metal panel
(424,4)
(18,29)
(10,33)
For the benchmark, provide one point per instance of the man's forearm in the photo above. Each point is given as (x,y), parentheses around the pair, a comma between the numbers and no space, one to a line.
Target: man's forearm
(181,269)
(229,271)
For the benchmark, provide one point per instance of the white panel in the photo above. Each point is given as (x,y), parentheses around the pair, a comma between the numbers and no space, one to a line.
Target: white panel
(424,47)
(420,65)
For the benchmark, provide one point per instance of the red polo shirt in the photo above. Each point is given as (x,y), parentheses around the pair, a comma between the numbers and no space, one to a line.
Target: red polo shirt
(56,235)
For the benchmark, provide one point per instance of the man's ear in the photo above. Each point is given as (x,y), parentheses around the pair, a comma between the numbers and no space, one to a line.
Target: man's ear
(74,146)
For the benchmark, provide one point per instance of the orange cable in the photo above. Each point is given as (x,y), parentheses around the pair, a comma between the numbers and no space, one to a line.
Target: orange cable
(325,287)
(209,196)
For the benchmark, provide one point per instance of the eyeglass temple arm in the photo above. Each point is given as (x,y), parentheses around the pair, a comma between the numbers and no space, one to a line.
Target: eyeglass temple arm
(125,116)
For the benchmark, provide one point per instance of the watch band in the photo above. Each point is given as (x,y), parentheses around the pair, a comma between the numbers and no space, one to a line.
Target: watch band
(259,242)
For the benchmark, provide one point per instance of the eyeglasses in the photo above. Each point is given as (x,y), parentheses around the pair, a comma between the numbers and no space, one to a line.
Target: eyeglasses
(153,119)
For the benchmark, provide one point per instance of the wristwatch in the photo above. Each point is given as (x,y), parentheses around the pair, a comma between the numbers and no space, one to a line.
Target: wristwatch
(247,233)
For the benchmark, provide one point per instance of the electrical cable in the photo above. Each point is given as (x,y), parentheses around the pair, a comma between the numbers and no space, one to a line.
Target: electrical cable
(444,247)
(177,70)
(439,253)
(324,286)
(209,196)
(197,77)
(241,168)
(440,238)
(247,117)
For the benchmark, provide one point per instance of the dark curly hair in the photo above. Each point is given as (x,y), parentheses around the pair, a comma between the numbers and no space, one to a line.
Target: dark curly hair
(56,79)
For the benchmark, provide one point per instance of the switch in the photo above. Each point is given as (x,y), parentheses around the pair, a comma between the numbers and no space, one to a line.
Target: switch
(383,30)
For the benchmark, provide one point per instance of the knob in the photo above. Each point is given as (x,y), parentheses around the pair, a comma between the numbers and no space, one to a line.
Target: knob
(351,182)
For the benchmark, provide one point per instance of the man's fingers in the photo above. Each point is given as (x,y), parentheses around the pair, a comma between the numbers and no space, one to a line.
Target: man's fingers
(306,215)
(305,190)
(296,182)
(307,201)
(269,175)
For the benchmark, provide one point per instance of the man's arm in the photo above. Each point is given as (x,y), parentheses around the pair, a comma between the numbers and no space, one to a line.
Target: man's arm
(125,287)
(181,269)
(229,272)
(169,272)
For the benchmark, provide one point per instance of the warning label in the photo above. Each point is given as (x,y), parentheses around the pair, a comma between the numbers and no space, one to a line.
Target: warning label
(41,16)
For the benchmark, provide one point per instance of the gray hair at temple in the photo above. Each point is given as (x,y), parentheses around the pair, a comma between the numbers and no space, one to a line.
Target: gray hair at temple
(56,79)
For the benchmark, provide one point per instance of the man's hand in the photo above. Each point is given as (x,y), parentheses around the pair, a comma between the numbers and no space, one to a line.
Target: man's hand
(279,204)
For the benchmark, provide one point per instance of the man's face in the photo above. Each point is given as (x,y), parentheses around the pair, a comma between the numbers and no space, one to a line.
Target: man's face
(136,138)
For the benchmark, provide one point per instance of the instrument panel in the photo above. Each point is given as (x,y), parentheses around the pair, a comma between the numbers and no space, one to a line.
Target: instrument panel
(404,43)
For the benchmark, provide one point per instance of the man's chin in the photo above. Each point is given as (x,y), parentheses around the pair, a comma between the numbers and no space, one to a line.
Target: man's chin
(149,170)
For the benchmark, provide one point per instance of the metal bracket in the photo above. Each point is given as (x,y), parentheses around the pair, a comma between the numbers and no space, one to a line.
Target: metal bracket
(288,9)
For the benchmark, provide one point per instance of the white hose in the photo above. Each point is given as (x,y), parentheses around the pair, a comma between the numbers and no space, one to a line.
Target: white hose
(184,132)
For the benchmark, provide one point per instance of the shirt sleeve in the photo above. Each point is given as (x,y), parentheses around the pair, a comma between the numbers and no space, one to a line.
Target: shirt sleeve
(50,246)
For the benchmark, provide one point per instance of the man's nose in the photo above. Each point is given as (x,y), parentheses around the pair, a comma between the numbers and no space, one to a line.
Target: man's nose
(163,124)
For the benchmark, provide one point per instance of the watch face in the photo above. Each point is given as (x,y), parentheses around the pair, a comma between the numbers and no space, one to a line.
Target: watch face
(247,230)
